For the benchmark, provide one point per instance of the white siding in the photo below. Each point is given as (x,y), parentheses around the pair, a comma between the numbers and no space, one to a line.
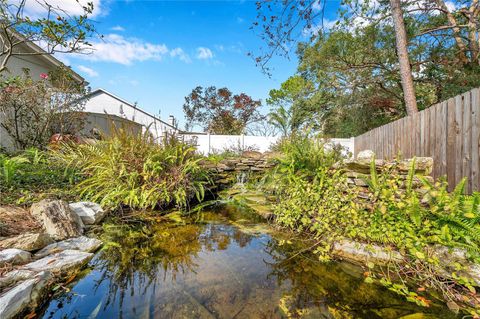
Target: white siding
(103,103)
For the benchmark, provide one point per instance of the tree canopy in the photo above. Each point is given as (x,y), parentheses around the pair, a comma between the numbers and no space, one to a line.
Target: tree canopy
(55,29)
(351,72)
(219,111)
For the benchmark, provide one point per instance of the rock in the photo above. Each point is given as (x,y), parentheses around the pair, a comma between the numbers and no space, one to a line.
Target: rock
(90,213)
(82,243)
(366,156)
(360,182)
(58,219)
(360,252)
(252,154)
(362,167)
(62,262)
(423,165)
(15,276)
(273,155)
(450,258)
(28,241)
(25,296)
(14,256)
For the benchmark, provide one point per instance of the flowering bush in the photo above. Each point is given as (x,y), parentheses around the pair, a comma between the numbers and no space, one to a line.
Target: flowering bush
(32,110)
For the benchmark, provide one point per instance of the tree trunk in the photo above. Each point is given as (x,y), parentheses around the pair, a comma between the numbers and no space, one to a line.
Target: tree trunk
(404,62)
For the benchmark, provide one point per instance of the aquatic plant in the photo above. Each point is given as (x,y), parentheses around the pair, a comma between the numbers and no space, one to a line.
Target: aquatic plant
(133,169)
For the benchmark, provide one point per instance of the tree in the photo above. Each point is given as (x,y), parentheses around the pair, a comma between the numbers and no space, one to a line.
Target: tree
(31,111)
(451,30)
(290,110)
(218,111)
(56,30)
(403,59)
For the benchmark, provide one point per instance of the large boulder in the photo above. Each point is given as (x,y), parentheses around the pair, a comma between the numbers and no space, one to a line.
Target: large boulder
(13,256)
(61,263)
(90,213)
(28,241)
(363,253)
(58,219)
(25,296)
(82,243)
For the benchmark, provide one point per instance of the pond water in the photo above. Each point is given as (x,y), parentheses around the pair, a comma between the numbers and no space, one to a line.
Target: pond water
(221,264)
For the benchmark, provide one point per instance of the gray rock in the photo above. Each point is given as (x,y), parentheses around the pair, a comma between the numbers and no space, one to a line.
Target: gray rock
(448,259)
(423,165)
(58,219)
(61,263)
(82,243)
(28,241)
(25,296)
(351,250)
(15,276)
(90,213)
(14,256)
(365,156)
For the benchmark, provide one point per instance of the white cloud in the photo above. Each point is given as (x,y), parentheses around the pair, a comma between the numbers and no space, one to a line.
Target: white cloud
(204,53)
(451,5)
(118,49)
(178,52)
(315,29)
(240,20)
(317,6)
(88,71)
(38,8)
(117,28)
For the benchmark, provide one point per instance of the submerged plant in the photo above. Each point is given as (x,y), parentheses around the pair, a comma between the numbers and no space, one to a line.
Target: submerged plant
(131,169)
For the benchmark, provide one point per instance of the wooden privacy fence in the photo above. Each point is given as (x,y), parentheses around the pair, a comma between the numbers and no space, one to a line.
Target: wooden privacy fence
(449,132)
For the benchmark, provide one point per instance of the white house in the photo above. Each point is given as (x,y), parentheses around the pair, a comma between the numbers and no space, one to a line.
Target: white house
(103,108)
(35,59)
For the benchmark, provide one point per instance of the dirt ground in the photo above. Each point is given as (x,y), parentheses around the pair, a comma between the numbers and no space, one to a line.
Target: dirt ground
(16,221)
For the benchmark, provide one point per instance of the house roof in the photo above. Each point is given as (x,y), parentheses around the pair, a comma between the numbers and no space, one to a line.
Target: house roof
(103,91)
(49,58)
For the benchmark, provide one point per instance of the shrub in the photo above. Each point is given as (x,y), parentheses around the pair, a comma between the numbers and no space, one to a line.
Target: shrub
(33,175)
(306,154)
(131,169)
(32,110)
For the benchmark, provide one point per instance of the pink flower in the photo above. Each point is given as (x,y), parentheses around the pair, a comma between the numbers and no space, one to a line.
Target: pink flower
(44,76)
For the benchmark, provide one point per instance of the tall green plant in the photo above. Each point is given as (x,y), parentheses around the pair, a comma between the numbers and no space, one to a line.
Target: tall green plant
(9,167)
(131,169)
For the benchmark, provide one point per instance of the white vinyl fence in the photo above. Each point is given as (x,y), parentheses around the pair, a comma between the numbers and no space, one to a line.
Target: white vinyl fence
(208,143)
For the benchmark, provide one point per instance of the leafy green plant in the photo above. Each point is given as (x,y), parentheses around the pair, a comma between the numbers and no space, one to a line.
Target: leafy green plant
(402,211)
(33,175)
(130,169)
(9,167)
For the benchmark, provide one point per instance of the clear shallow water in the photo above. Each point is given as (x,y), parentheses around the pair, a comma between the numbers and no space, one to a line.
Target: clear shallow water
(225,264)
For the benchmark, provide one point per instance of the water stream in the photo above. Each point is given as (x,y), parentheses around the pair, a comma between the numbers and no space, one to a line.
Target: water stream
(221,264)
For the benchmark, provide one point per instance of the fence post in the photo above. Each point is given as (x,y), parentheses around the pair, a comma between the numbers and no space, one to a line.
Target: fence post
(208,151)
(243,141)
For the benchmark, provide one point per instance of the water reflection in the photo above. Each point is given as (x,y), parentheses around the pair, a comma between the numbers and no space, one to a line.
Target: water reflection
(209,268)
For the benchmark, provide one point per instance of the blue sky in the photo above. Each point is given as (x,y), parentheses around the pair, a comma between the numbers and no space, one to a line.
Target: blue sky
(155,52)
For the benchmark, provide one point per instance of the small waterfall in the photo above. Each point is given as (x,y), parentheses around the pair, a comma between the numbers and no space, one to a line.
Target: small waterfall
(242,178)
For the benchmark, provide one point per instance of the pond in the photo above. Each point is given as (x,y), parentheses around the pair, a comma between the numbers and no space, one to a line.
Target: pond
(221,264)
